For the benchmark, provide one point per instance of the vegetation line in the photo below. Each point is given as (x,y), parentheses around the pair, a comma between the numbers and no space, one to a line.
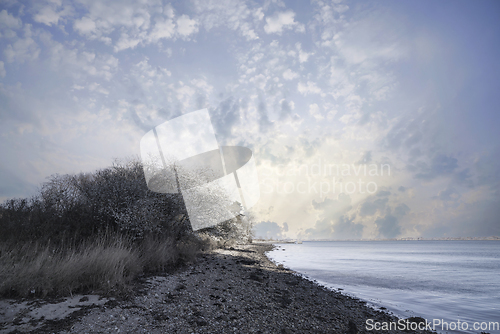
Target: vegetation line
(98,231)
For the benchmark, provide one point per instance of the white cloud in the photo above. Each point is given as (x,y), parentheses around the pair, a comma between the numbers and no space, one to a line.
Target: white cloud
(332,111)
(300,28)
(184,93)
(84,26)
(131,19)
(309,88)
(203,85)
(2,70)
(47,16)
(349,118)
(168,11)
(290,75)
(249,33)
(131,15)
(162,29)
(98,88)
(144,112)
(340,8)
(135,24)
(9,21)
(233,14)
(258,14)
(373,39)
(260,81)
(74,62)
(257,57)
(186,26)
(303,56)
(145,70)
(329,21)
(280,21)
(126,42)
(8,33)
(23,49)
(315,112)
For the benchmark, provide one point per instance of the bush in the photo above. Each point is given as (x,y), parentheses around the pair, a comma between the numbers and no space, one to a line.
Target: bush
(233,231)
(97,231)
(84,205)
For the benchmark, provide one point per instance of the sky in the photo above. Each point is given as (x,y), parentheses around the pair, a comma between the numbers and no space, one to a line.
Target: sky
(366,119)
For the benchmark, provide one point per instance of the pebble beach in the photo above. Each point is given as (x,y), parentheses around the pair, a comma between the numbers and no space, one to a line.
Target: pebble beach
(232,290)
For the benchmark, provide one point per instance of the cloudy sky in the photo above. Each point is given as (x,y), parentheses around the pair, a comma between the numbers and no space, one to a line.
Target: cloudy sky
(366,119)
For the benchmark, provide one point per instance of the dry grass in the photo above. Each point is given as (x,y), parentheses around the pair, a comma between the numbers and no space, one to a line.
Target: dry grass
(210,242)
(35,270)
(104,265)
(157,254)
(70,209)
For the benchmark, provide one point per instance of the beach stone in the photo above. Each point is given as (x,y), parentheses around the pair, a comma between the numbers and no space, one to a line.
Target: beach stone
(257,296)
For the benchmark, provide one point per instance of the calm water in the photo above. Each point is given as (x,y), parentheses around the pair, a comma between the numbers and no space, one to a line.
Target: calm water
(448,280)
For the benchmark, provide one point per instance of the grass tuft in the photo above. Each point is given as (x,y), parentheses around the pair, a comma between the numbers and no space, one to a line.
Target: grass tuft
(103,265)
(33,270)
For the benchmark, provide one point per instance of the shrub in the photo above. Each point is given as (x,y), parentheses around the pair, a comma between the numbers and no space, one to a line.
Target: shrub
(97,231)
(84,205)
(233,231)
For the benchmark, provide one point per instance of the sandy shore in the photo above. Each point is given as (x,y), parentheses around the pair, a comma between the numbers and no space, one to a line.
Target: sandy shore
(236,290)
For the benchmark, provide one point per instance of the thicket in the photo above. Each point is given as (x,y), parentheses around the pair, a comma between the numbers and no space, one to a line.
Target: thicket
(97,231)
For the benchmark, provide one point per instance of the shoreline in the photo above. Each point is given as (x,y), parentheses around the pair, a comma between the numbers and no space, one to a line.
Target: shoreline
(232,290)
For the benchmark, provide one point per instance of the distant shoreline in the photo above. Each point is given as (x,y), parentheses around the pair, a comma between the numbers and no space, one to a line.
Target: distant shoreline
(293,241)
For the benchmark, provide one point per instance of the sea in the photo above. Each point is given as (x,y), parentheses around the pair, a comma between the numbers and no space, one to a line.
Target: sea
(453,284)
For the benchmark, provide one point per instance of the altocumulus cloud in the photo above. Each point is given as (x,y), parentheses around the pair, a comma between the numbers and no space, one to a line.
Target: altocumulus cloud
(298,82)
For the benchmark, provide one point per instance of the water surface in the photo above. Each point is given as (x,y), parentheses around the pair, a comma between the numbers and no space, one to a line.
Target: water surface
(443,280)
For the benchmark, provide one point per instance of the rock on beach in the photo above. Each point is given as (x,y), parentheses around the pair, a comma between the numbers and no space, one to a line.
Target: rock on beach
(234,290)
